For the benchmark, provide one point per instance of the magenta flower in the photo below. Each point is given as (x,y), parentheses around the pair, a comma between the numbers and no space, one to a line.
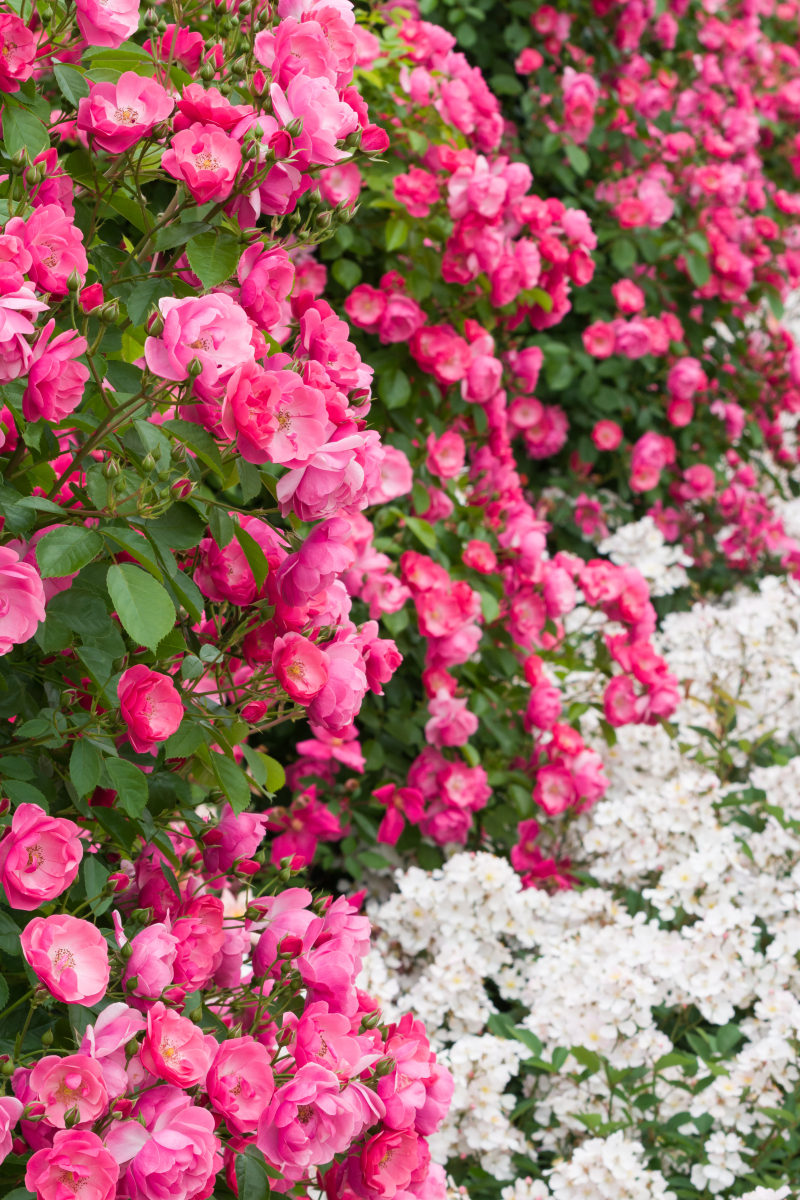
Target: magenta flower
(206,160)
(55,381)
(76,1159)
(39,857)
(239,1084)
(118,115)
(150,705)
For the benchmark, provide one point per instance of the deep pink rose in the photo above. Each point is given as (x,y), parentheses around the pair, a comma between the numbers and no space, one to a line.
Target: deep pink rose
(150,706)
(17,52)
(480,556)
(441,352)
(606,435)
(274,416)
(628,295)
(55,381)
(180,1158)
(10,1112)
(105,1041)
(266,278)
(686,377)
(239,1084)
(599,339)
(174,1049)
(118,115)
(323,556)
(185,48)
(301,668)
(153,953)
(385,1165)
(74,1082)
(446,455)
(200,937)
(76,1160)
(450,724)
(206,160)
(234,838)
(619,701)
(39,857)
(70,957)
(226,575)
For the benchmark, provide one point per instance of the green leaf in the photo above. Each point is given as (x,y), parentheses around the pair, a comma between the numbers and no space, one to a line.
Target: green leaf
(180,527)
(249,480)
(213,256)
(346,272)
(251,1175)
(623,254)
(185,740)
(180,232)
(121,829)
(144,295)
(64,551)
(14,767)
(396,233)
(698,268)
(23,131)
(196,439)
(490,607)
(138,546)
(698,241)
(130,209)
(232,780)
(394,388)
(587,1058)
(221,526)
(9,935)
(142,605)
(3,993)
(72,83)
(94,880)
(578,159)
(84,767)
(254,555)
(20,792)
(81,611)
(423,531)
(130,784)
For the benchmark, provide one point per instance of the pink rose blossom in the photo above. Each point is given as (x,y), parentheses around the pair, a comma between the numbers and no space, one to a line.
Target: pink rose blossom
(440,351)
(334,477)
(628,295)
(174,1049)
(549,434)
(326,119)
(206,160)
(150,706)
(606,435)
(580,98)
(274,415)
(301,668)
(266,278)
(396,478)
(200,936)
(287,914)
(39,857)
(234,838)
(105,1041)
(554,790)
(78,1157)
(418,190)
(108,23)
(118,115)
(153,953)
(446,454)
(323,556)
(401,318)
(239,1083)
(480,556)
(365,307)
(24,600)
(180,1158)
(450,723)
(10,1113)
(226,575)
(17,52)
(685,378)
(55,381)
(599,339)
(213,329)
(70,957)
(62,1084)
(385,1165)
(340,184)
(339,699)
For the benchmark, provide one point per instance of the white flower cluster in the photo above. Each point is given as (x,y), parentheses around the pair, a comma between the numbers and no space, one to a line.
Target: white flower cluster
(589,972)
(641,544)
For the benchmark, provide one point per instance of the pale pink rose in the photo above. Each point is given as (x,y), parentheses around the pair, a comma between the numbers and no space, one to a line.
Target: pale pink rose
(446,454)
(174,1049)
(39,857)
(76,1154)
(206,160)
(240,1084)
(180,1158)
(213,329)
(18,306)
(23,597)
(326,119)
(55,381)
(288,913)
(235,945)
(105,1041)
(62,1084)
(118,115)
(154,951)
(17,52)
(69,956)
(107,22)
(340,184)
(150,706)
(450,723)
(396,477)
(274,416)
(10,1113)
(311,1119)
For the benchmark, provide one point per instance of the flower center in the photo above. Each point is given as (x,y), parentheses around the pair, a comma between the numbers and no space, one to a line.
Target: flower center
(67,1177)
(284,420)
(296,670)
(205,161)
(170,1051)
(35,857)
(304,1113)
(126,116)
(64,960)
(52,258)
(203,343)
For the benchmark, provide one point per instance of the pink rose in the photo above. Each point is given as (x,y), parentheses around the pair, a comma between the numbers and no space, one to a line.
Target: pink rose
(77,1158)
(323,556)
(418,190)
(483,379)
(55,245)
(628,295)
(234,838)
(118,115)
(480,556)
(554,789)
(450,723)
(185,48)
(619,701)
(10,1113)
(213,329)
(180,1158)
(153,953)
(274,416)
(107,24)
(226,575)
(686,377)
(301,668)
(206,160)
(310,1119)
(631,338)
(239,1084)
(17,52)
(63,1084)
(339,699)
(599,339)
(401,318)
(105,1041)
(606,435)
(699,479)
(544,706)
(69,956)
(581,92)
(526,853)
(549,434)
(266,278)
(365,306)
(333,478)
(441,352)
(55,382)
(396,477)
(446,454)
(650,455)
(326,119)
(385,1165)
(174,1049)
(39,857)
(150,706)
(341,184)
(200,937)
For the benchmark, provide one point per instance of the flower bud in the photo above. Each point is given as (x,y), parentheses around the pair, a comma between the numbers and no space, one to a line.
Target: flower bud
(295,127)
(131,1048)
(239,67)
(245,8)
(353,140)
(18,161)
(371,1020)
(254,711)
(194,368)
(148,462)
(8,1067)
(250,151)
(47,1038)
(108,312)
(324,218)
(208,71)
(110,469)
(126,951)
(132,983)
(162,25)
(74,281)
(31,176)
(71,1117)
(384,1066)
(247,866)
(5,805)
(150,19)
(196,1015)
(118,882)
(182,488)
